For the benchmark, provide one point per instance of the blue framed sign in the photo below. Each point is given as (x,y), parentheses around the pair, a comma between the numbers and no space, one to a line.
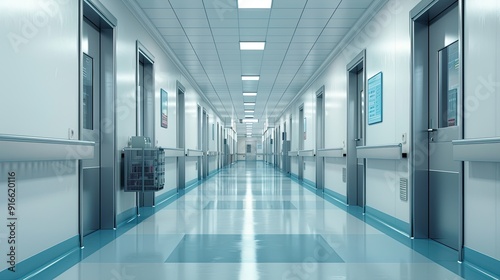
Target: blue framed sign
(375,108)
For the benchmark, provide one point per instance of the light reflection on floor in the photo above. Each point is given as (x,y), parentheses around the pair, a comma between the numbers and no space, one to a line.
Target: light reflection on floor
(250,221)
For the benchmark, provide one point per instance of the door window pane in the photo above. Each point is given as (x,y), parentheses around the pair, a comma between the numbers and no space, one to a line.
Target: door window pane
(449,79)
(88,92)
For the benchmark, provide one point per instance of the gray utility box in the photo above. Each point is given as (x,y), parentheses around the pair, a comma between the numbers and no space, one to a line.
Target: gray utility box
(144,169)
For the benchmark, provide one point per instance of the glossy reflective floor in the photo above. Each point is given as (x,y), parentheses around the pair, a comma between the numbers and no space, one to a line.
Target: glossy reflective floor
(250,221)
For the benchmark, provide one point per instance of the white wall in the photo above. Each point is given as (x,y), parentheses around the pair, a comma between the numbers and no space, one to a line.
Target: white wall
(482,119)
(386,39)
(39,97)
(166,76)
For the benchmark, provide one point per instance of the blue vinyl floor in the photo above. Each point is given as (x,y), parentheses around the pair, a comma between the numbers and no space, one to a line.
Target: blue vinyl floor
(250,221)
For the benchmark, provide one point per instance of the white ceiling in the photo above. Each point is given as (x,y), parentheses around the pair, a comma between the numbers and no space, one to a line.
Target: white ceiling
(299,36)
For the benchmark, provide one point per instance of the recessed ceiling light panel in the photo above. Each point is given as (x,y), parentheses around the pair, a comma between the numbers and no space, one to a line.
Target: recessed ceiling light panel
(252,46)
(255,4)
(249,94)
(250,78)
(249,103)
(250,120)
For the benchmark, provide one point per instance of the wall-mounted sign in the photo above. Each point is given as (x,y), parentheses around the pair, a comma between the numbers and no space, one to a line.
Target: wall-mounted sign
(375,100)
(164,108)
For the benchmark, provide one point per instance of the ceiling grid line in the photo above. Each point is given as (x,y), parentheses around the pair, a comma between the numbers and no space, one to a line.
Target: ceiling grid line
(301,39)
(310,51)
(190,43)
(286,52)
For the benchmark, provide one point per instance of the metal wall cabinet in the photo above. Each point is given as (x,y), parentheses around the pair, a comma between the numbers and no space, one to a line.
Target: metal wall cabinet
(144,169)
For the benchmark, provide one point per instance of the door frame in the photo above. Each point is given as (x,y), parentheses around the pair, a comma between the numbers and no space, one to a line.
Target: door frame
(145,110)
(300,159)
(352,131)
(419,146)
(96,13)
(320,137)
(180,90)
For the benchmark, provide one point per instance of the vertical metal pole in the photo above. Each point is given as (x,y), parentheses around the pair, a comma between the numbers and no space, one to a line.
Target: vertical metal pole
(80,122)
(461,133)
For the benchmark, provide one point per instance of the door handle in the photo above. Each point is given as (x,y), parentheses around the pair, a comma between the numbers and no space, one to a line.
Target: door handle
(431,129)
(357,139)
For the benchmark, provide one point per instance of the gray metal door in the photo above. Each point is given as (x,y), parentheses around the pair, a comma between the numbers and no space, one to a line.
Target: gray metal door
(90,127)
(320,138)
(205,144)
(301,142)
(444,95)
(181,161)
(361,121)
(356,131)
(251,152)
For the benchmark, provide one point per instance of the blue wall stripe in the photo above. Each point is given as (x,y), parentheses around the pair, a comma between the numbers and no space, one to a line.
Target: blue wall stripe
(336,195)
(33,264)
(389,220)
(482,262)
(309,182)
(192,183)
(294,176)
(164,196)
(126,216)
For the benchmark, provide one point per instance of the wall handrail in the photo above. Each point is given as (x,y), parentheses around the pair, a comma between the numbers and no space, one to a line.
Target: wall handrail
(331,152)
(306,153)
(31,148)
(477,149)
(293,153)
(392,151)
(174,152)
(194,153)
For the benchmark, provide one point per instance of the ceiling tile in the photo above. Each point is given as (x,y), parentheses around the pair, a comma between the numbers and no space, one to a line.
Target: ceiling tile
(253,23)
(286,13)
(299,35)
(286,4)
(160,13)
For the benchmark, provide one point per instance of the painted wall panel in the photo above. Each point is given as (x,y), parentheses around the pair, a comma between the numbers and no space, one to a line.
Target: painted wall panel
(170,176)
(482,119)
(481,199)
(333,178)
(45,196)
(166,76)
(310,169)
(386,39)
(40,72)
(40,48)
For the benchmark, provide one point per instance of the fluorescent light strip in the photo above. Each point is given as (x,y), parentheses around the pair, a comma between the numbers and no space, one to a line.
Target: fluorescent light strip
(252,46)
(249,104)
(250,78)
(249,94)
(250,111)
(255,4)
(250,120)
